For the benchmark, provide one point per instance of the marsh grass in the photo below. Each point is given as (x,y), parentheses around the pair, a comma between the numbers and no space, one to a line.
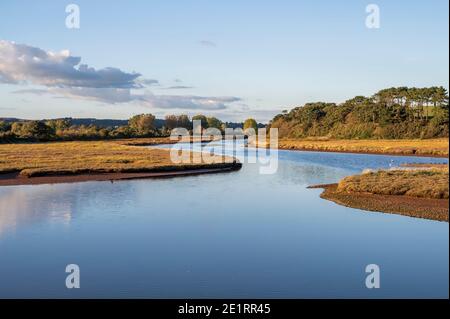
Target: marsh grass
(432,147)
(422,182)
(62,158)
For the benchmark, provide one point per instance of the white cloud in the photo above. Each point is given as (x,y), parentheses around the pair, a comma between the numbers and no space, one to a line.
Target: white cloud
(21,63)
(62,75)
(115,96)
(179,87)
(148,82)
(188,102)
(104,95)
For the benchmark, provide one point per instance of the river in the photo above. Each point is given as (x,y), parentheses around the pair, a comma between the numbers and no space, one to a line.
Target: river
(240,234)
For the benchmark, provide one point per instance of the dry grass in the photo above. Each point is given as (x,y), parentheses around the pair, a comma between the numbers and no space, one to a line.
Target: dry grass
(62,158)
(421,182)
(430,147)
(428,208)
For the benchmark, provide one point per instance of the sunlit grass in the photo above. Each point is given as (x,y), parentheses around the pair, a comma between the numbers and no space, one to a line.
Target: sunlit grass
(434,147)
(87,157)
(421,182)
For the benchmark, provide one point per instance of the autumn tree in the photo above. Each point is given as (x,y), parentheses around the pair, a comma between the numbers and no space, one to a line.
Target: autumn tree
(251,123)
(142,124)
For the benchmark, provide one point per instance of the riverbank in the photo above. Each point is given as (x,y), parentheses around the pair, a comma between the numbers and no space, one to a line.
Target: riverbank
(63,162)
(13,179)
(430,147)
(422,192)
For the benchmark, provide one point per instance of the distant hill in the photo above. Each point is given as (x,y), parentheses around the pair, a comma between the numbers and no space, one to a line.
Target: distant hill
(97,122)
(103,123)
(234,125)
(10,119)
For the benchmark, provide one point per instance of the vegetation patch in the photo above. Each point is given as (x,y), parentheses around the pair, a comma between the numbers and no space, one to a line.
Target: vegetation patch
(139,126)
(422,192)
(89,157)
(394,113)
(430,147)
(425,183)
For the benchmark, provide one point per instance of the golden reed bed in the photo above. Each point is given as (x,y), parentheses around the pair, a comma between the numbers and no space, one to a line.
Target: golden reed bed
(92,157)
(422,192)
(428,147)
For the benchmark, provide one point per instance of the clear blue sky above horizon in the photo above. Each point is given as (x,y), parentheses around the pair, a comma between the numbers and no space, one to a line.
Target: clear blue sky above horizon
(268,55)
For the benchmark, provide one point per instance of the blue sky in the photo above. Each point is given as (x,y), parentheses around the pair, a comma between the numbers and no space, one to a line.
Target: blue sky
(231,59)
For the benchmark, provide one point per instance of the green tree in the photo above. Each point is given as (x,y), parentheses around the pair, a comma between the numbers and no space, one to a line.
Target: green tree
(214,122)
(184,121)
(142,124)
(58,125)
(398,112)
(121,132)
(202,119)
(171,122)
(32,129)
(5,126)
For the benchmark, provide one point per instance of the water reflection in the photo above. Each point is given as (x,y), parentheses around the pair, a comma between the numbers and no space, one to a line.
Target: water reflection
(22,205)
(240,234)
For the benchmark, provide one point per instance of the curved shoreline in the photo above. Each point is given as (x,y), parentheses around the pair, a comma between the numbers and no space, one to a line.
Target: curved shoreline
(426,208)
(15,179)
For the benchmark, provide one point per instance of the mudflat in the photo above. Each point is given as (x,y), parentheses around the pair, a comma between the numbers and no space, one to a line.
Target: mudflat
(421,191)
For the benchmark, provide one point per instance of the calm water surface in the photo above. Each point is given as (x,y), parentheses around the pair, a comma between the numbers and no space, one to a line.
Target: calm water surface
(239,234)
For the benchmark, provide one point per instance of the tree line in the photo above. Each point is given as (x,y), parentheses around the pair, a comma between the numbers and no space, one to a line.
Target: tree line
(142,125)
(398,112)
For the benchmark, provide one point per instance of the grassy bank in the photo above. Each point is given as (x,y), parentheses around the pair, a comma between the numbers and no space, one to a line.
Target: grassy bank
(421,192)
(424,183)
(90,157)
(429,147)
